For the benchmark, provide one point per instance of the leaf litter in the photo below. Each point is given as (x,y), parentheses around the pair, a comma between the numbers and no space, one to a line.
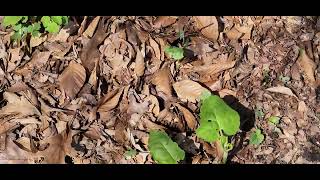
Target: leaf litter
(94,92)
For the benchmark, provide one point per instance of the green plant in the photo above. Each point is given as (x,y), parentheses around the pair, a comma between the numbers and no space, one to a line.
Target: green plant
(259,112)
(256,137)
(130,153)
(274,120)
(163,150)
(33,25)
(218,121)
(175,53)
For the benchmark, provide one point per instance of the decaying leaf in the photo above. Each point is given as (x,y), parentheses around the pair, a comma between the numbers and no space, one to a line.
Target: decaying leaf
(214,68)
(282,90)
(92,27)
(188,116)
(139,63)
(37,61)
(161,80)
(111,100)
(18,105)
(37,40)
(208,26)
(72,79)
(164,21)
(308,66)
(189,90)
(155,47)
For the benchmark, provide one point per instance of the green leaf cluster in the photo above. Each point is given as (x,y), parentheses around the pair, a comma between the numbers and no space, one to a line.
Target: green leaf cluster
(33,25)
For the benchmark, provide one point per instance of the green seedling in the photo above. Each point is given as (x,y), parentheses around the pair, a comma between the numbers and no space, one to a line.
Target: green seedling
(33,25)
(175,53)
(163,150)
(218,121)
(259,113)
(274,120)
(256,138)
(284,79)
(130,153)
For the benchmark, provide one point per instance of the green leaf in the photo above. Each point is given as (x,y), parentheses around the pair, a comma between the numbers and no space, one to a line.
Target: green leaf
(25,19)
(11,20)
(50,25)
(57,19)
(130,153)
(208,131)
(256,137)
(163,149)
(259,113)
(215,109)
(65,20)
(274,120)
(174,52)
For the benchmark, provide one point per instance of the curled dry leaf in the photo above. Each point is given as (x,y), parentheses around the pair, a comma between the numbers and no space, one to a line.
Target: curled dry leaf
(282,90)
(208,26)
(155,47)
(308,66)
(188,116)
(161,79)
(164,21)
(139,63)
(18,105)
(92,27)
(72,79)
(111,100)
(189,90)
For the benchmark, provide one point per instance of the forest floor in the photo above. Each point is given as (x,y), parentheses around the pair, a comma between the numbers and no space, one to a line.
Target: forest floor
(93,92)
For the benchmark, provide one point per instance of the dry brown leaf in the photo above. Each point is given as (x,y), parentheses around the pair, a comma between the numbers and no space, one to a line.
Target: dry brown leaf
(92,27)
(154,105)
(37,40)
(233,34)
(72,79)
(37,61)
(90,52)
(18,105)
(208,26)
(139,63)
(111,100)
(282,90)
(189,90)
(164,21)
(155,47)
(214,68)
(188,116)
(161,79)
(308,66)
(15,59)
